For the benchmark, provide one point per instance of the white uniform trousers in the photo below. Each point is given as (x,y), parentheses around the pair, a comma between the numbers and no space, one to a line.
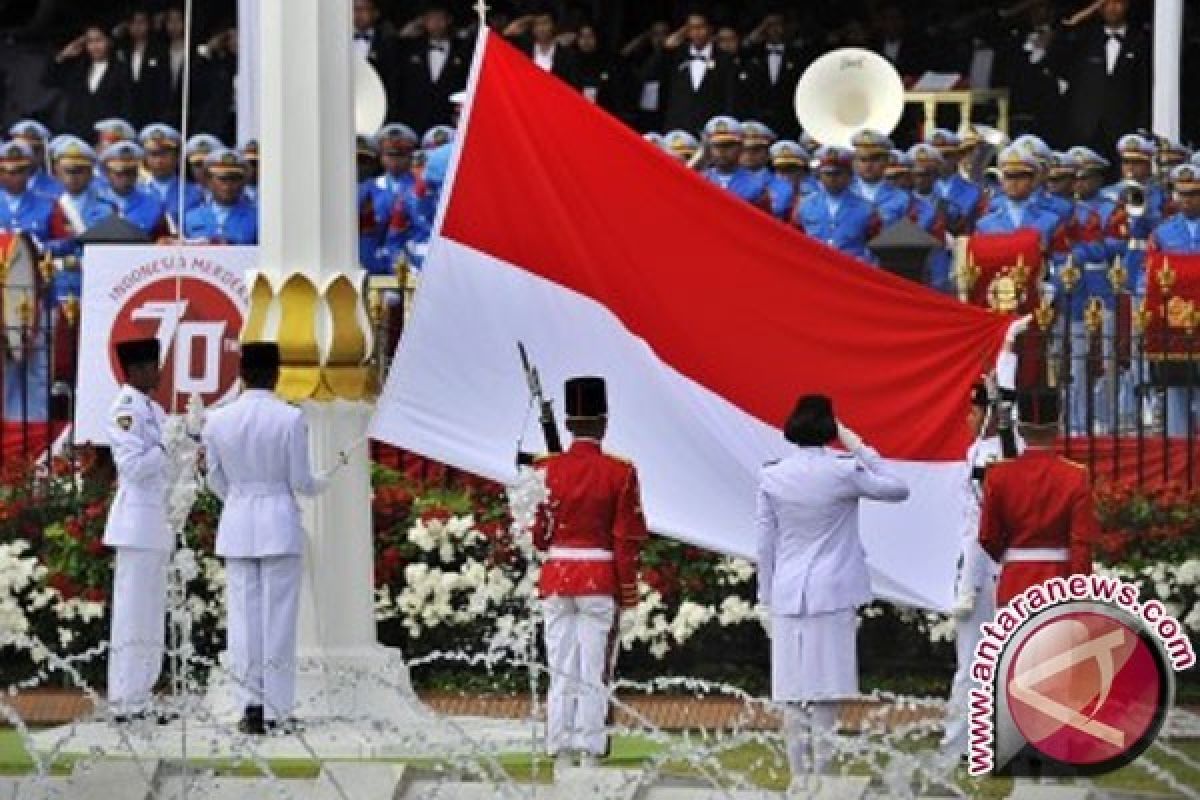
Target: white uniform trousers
(577,652)
(809,732)
(967,634)
(139,601)
(262,599)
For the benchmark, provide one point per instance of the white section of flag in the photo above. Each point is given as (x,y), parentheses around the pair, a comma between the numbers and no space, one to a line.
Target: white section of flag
(456,393)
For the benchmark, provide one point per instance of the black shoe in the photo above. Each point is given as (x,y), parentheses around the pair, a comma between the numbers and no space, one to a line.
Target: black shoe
(166,717)
(285,727)
(251,723)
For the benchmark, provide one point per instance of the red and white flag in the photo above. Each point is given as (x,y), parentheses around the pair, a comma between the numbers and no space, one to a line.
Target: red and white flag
(563,229)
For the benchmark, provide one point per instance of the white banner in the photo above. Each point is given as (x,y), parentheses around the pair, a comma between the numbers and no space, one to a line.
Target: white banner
(192,299)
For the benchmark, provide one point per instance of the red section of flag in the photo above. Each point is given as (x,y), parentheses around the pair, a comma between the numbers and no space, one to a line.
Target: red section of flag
(738,302)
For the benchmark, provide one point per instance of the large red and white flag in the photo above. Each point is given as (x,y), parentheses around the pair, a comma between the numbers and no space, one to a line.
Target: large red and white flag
(563,229)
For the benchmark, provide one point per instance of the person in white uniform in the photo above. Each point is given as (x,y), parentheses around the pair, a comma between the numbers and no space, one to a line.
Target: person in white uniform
(812,572)
(256,454)
(137,530)
(990,418)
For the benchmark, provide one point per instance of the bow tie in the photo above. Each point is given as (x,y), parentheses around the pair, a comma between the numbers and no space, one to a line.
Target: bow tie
(362,37)
(698,57)
(1112,33)
(441,47)
(776,48)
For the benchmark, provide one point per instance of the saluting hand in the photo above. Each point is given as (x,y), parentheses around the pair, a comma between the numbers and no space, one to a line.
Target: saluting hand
(849,439)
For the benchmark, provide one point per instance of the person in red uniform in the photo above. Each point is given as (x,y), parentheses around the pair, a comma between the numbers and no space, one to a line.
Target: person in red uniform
(1037,520)
(591,528)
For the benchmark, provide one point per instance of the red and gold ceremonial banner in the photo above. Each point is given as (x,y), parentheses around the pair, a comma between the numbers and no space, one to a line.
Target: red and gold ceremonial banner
(1172,308)
(1004,271)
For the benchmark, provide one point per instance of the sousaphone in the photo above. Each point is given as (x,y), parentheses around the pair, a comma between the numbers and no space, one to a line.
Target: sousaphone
(847,90)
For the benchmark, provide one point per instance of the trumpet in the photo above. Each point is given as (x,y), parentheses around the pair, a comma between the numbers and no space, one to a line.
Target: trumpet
(1132,195)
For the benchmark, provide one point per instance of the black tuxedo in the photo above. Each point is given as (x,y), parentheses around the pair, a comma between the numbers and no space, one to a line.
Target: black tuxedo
(609,81)
(422,102)
(564,64)
(911,59)
(84,108)
(1101,107)
(150,89)
(771,102)
(688,108)
(384,54)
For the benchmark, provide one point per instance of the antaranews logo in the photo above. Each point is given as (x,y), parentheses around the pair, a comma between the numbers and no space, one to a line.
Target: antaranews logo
(1073,677)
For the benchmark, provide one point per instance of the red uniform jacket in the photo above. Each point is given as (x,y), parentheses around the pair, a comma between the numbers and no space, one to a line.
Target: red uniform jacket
(594,503)
(1037,500)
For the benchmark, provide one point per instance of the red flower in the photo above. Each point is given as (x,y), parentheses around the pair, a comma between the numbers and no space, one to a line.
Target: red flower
(96,510)
(65,586)
(95,547)
(94,594)
(74,528)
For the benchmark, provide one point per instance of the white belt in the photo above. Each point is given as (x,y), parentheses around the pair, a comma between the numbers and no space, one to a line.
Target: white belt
(1095,266)
(580,554)
(1036,554)
(1136,244)
(259,489)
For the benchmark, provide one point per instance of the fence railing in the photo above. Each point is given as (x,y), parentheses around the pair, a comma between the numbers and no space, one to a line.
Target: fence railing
(1131,384)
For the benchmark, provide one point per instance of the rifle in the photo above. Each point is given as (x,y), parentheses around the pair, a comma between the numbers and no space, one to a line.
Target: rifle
(545,409)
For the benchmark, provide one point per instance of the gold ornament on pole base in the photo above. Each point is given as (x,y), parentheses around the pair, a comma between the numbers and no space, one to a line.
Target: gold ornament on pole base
(1141,317)
(1093,316)
(966,276)
(324,343)
(1044,315)
(1118,276)
(1070,275)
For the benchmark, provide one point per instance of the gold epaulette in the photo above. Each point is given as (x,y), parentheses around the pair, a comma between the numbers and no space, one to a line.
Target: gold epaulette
(1073,463)
(540,457)
(616,457)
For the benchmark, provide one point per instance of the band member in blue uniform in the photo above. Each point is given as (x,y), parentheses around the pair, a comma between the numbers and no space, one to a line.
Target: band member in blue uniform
(964,200)
(723,135)
(80,206)
(871,150)
(791,181)
(161,145)
(834,214)
(682,145)
(36,135)
(757,139)
(197,149)
(121,162)
(927,209)
(228,217)
(382,213)
(21,208)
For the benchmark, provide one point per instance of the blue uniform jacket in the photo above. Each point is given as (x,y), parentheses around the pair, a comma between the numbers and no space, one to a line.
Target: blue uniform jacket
(240,226)
(847,229)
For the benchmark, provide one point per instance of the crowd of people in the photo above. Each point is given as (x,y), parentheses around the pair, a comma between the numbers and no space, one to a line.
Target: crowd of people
(722,98)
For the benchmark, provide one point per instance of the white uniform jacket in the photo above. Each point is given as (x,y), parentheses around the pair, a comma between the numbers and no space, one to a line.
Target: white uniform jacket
(138,516)
(810,557)
(256,450)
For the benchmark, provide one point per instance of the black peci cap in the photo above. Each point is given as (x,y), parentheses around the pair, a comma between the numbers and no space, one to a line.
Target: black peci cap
(1039,407)
(134,352)
(586,397)
(260,355)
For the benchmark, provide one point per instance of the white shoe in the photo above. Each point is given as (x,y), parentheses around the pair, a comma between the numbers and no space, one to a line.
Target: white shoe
(564,759)
(588,761)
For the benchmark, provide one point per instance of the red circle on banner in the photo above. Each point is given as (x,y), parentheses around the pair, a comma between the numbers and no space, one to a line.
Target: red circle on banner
(199,337)
(1085,688)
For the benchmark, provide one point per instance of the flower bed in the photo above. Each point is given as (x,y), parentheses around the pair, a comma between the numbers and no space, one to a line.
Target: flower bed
(454,588)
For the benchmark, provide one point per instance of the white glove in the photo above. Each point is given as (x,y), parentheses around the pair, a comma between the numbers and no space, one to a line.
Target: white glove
(849,439)
(766,622)
(627,622)
(1016,329)
(964,605)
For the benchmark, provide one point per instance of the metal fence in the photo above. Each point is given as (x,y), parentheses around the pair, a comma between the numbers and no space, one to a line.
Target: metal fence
(1130,381)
